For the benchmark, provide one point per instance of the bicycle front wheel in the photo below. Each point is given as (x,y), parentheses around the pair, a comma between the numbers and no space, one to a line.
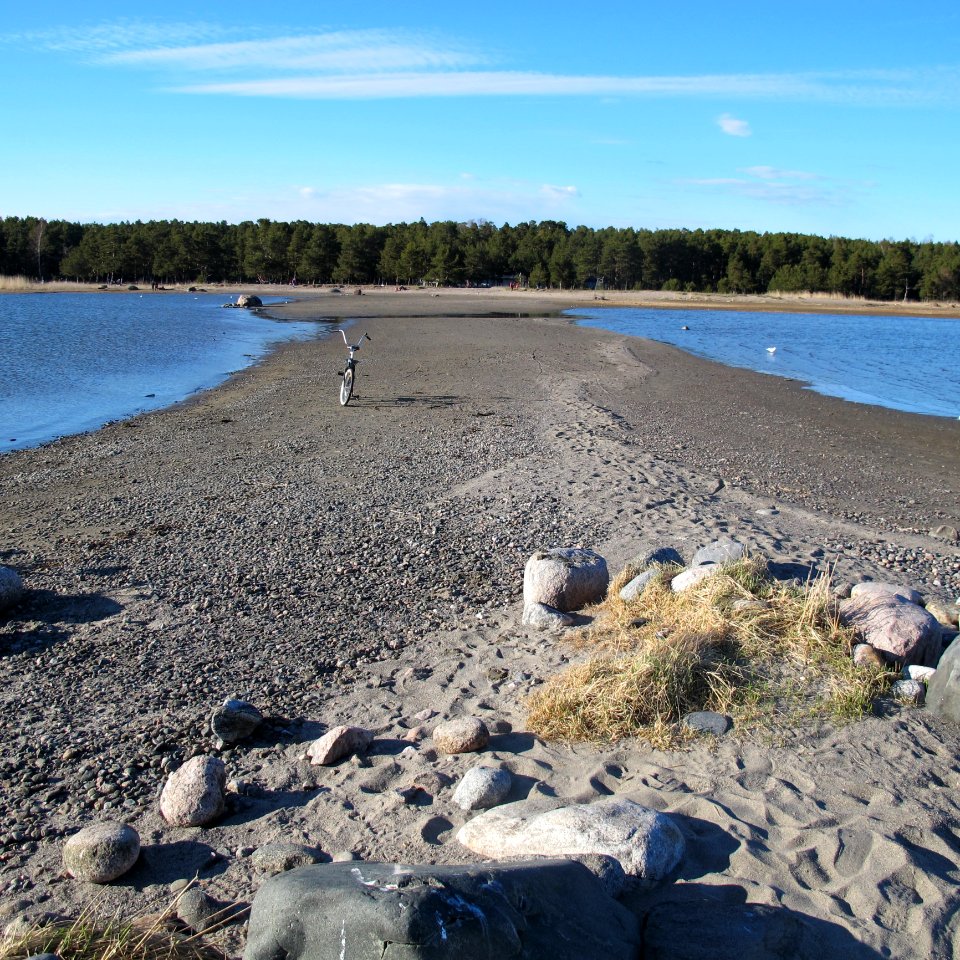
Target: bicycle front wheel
(346,387)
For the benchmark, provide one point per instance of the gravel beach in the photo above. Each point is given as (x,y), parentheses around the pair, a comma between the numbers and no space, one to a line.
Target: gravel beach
(264,543)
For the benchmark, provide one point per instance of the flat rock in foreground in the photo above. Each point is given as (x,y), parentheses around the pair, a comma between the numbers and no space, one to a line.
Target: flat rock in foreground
(375,911)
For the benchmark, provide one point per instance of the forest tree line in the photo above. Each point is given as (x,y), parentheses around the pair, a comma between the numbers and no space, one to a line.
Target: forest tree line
(538,254)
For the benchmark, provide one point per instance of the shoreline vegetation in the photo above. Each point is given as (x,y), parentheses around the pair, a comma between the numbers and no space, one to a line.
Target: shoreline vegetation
(363,566)
(544,255)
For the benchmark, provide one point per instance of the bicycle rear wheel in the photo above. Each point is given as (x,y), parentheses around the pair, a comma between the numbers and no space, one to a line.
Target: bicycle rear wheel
(346,387)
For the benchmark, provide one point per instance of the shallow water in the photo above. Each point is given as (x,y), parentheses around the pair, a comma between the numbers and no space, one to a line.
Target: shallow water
(903,363)
(73,362)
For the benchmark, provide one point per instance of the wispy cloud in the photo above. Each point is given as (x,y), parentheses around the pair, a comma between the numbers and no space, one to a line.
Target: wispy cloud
(788,187)
(732,126)
(208,59)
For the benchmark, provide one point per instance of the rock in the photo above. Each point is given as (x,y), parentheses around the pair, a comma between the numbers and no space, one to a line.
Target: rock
(482,787)
(911,693)
(606,869)
(461,735)
(947,532)
(235,721)
(472,912)
(101,852)
(944,614)
(279,856)
(11,587)
(203,913)
(566,578)
(542,617)
(693,575)
(636,586)
(866,656)
(249,300)
(914,672)
(706,721)
(660,557)
(943,691)
(337,743)
(646,843)
(193,795)
(901,630)
(871,589)
(720,551)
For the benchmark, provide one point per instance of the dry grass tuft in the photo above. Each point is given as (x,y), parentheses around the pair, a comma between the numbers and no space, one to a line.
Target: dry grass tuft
(93,937)
(738,642)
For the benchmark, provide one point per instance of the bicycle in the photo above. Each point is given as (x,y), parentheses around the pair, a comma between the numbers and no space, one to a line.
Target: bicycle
(349,372)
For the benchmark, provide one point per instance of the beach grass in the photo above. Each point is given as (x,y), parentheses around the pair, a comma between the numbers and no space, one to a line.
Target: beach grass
(769,654)
(94,936)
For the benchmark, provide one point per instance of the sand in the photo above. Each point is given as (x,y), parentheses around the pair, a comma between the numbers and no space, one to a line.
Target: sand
(212,550)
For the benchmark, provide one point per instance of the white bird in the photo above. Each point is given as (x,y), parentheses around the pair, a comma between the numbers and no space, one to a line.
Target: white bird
(771,349)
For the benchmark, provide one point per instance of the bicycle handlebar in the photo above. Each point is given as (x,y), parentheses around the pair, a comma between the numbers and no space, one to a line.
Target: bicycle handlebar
(354,346)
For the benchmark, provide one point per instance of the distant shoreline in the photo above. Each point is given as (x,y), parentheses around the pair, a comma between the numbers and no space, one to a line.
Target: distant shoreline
(549,299)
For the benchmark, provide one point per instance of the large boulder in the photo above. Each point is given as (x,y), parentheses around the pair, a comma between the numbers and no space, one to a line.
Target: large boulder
(943,691)
(194,795)
(902,631)
(249,300)
(566,578)
(648,844)
(372,911)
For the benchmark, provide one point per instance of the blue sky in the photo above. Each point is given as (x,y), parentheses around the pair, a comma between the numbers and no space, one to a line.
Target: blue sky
(835,118)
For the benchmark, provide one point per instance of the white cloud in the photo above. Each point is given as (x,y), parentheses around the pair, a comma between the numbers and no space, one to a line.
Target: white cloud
(733,127)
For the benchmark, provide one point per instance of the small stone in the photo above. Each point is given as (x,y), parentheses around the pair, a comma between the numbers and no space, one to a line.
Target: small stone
(543,617)
(606,869)
(692,576)
(913,671)
(943,613)
(910,693)
(102,852)
(193,795)
(637,585)
(203,913)
(866,656)
(278,857)
(461,735)
(720,551)
(337,743)
(235,721)
(707,721)
(482,788)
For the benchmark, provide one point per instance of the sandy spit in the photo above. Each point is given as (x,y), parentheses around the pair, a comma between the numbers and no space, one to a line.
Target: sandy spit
(362,565)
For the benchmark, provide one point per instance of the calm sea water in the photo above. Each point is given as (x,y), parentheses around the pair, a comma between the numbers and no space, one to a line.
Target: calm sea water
(904,363)
(73,362)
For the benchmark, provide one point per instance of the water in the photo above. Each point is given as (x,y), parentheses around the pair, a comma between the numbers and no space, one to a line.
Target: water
(903,363)
(73,362)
